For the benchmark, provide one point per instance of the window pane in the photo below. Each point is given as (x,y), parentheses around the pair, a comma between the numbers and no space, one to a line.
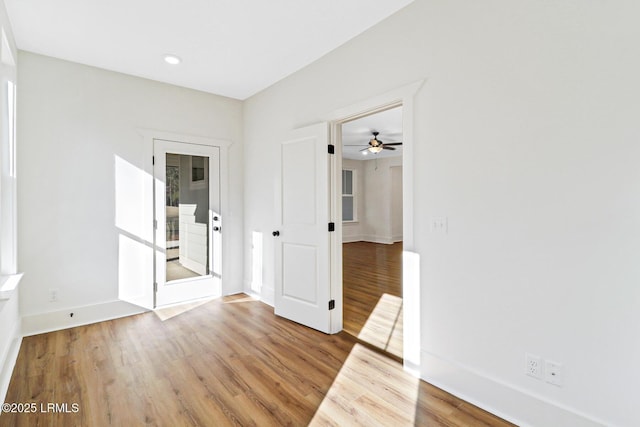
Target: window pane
(347,182)
(187,217)
(347,208)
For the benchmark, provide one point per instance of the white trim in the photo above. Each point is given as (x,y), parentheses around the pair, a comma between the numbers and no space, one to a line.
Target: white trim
(85,315)
(372,239)
(352,239)
(8,285)
(377,103)
(268,294)
(8,361)
(149,135)
(402,96)
(246,284)
(354,195)
(254,295)
(504,400)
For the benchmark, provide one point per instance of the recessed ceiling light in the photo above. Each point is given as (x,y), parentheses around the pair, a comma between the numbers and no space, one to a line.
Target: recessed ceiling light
(172,59)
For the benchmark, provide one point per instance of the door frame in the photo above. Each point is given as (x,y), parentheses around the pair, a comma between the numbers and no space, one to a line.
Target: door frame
(402,96)
(205,284)
(149,135)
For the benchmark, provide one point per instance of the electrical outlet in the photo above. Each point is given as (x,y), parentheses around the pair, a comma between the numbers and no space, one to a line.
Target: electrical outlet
(533,366)
(553,373)
(53,295)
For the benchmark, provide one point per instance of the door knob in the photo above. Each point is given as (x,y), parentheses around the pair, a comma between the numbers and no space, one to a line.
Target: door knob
(276,233)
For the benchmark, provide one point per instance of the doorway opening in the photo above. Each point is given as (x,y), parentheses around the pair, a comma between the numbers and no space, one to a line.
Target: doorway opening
(372,229)
(187,222)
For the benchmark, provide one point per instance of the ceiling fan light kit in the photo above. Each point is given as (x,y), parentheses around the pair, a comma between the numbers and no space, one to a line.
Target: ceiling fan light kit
(376,146)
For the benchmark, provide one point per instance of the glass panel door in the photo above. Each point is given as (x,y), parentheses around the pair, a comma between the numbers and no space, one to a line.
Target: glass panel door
(188,224)
(187,216)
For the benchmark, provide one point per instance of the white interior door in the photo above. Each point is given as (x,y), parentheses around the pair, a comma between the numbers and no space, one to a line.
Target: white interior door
(188,225)
(303,290)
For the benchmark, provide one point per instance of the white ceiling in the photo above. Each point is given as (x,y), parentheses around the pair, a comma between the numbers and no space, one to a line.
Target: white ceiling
(357,133)
(233,48)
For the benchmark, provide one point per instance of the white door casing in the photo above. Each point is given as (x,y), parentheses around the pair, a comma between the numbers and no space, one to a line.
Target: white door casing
(200,243)
(411,260)
(302,290)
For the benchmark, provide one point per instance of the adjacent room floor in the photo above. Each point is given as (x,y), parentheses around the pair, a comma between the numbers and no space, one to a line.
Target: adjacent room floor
(372,294)
(228,361)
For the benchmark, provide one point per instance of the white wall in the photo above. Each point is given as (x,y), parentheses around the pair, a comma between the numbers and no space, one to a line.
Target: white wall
(82,190)
(526,140)
(9,315)
(379,201)
(396,203)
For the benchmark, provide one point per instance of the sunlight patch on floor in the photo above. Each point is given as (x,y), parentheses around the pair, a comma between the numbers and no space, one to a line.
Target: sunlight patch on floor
(233,299)
(166,313)
(383,328)
(369,390)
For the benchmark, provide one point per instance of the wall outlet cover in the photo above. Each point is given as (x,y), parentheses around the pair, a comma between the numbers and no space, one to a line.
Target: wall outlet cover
(553,373)
(533,366)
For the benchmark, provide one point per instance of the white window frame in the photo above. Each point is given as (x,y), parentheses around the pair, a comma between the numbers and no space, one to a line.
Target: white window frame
(353,195)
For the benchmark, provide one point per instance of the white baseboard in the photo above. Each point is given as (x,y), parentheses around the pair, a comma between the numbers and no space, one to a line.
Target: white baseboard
(411,368)
(506,401)
(268,295)
(370,238)
(377,239)
(351,239)
(62,319)
(8,362)
(246,285)
(248,288)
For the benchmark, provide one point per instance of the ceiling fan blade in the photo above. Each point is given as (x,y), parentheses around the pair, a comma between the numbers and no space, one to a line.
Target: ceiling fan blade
(384,147)
(352,145)
(393,143)
(365,148)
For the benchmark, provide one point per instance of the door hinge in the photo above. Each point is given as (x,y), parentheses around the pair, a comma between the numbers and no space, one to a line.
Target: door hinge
(155,286)
(331,148)
(332,304)
(332,226)
(155,224)
(153,160)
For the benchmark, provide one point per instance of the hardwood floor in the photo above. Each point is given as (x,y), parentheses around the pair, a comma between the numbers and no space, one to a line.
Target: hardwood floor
(224,362)
(372,294)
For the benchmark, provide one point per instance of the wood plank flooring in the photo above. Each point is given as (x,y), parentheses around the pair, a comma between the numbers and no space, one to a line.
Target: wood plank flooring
(229,361)
(372,294)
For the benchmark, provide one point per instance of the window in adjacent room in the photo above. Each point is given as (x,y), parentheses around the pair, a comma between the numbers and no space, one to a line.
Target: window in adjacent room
(348,195)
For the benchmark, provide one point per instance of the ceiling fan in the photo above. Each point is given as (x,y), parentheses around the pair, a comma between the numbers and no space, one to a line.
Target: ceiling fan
(376,146)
